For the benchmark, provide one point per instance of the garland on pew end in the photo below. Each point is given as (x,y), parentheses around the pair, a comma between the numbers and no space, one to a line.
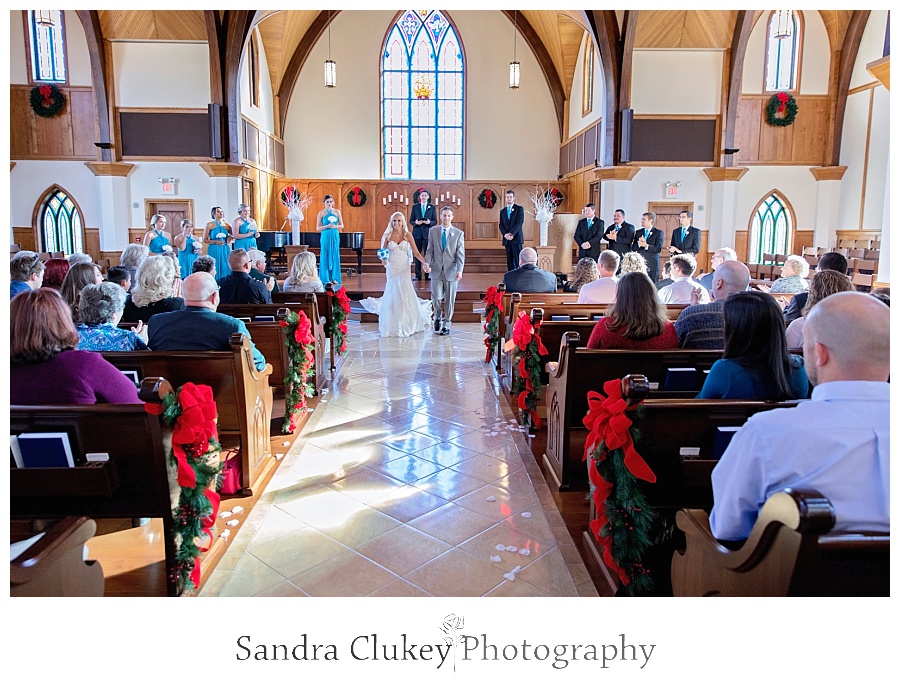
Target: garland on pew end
(301,346)
(493,300)
(624,518)
(527,384)
(191,413)
(340,311)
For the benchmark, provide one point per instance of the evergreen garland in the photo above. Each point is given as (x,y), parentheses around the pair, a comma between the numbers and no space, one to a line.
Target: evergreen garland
(493,299)
(781,103)
(301,344)
(527,370)
(340,311)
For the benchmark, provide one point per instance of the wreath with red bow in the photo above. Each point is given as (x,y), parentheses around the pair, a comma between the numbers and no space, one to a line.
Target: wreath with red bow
(356,197)
(487,198)
(556,195)
(624,518)
(290,195)
(301,345)
(47,100)
(493,300)
(527,383)
(781,110)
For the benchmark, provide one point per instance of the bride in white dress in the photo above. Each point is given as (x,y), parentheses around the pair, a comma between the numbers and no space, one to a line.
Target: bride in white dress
(400,312)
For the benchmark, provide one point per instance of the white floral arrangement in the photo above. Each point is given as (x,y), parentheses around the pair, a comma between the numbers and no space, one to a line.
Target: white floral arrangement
(544,207)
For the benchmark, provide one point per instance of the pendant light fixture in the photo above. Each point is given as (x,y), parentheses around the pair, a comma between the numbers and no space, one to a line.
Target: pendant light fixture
(514,65)
(330,65)
(44,18)
(784,23)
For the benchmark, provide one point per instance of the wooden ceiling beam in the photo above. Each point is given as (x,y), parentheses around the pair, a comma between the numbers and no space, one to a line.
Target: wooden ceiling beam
(849,52)
(237,25)
(93,31)
(743,27)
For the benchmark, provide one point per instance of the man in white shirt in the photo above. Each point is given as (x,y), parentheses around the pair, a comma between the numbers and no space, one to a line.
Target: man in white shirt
(602,290)
(683,267)
(838,443)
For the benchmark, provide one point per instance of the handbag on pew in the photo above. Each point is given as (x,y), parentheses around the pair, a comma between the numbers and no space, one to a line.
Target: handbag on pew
(231,475)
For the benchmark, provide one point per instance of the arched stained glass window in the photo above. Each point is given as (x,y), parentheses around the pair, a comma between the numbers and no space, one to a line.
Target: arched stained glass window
(770,229)
(783,50)
(422,75)
(61,224)
(48,55)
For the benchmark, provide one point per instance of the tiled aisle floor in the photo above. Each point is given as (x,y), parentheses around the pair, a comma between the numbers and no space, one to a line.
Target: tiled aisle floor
(395,489)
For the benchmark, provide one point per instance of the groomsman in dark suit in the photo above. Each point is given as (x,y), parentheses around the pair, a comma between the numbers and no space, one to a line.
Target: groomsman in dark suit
(512,217)
(422,218)
(685,239)
(648,241)
(588,234)
(619,234)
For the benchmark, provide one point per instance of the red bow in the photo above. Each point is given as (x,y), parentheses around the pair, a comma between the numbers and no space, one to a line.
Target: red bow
(782,100)
(195,426)
(523,333)
(303,333)
(493,297)
(356,196)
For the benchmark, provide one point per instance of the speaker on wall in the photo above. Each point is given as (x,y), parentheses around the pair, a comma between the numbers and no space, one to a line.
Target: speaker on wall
(625,138)
(214,112)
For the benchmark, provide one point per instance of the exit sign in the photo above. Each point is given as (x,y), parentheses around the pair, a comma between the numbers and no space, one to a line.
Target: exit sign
(168,188)
(672,191)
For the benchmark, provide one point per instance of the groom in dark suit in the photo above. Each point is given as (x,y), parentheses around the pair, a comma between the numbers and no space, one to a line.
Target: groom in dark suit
(685,239)
(422,218)
(512,217)
(588,234)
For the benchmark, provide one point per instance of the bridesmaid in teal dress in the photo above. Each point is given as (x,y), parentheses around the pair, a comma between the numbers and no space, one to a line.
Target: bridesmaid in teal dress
(217,236)
(188,246)
(244,229)
(330,223)
(157,239)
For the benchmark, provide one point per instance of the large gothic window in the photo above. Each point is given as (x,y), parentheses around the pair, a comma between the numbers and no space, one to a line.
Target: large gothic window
(770,229)
(48,55)
(61,228)
(422,109)
(783,50)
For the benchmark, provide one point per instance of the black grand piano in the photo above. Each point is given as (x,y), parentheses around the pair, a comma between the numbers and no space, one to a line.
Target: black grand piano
(270,242)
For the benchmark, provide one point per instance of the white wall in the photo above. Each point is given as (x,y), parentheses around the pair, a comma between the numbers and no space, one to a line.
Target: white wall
(677,82)
(335,133)
(578,121)
(193,183)
(795,184)
(161,74)
(649,186)
(29,179)
(263,115)
(78,58)
(871,47)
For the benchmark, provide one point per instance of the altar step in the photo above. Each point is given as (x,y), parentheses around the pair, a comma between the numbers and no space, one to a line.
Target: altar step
(478,260)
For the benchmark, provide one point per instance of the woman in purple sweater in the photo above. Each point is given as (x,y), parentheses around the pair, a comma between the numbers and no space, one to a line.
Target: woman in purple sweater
(46,369)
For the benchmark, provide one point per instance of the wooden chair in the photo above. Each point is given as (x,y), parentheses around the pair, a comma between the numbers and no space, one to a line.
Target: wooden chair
(780,258)
(791,551)
(843,251)
(822,249)
(813,260)
(862,282)
(768,258)
(872,254)
(54,566)
(866,267)
(856,253)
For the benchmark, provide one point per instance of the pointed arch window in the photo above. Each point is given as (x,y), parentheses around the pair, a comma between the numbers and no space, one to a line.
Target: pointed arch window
(783,38)
(422,98)
(48,52)
(770,229)
(61,225)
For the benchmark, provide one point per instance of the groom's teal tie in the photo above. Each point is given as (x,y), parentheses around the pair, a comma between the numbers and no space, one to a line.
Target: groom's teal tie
(444,239)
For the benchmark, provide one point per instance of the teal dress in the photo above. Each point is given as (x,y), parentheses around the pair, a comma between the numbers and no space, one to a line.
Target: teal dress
(249,242)
(330,255)
(157,243)
(187,257)
(220,253)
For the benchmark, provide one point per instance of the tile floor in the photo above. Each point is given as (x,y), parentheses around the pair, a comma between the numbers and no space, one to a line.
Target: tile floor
(402,485)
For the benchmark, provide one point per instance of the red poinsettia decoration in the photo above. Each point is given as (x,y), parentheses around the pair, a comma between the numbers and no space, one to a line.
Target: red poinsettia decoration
(343,299)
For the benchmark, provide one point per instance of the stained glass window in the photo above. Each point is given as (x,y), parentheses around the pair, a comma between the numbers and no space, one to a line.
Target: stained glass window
(48,61)
(61,223)
(770,229)
(422,75)
(782,55)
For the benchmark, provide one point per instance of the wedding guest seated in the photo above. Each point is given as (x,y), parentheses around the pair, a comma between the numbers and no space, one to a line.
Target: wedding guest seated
(258,270)
(55,271)
(132,257)
(702,325)
(77,278)
(119,275)
(683,267)
(76,258)
(793,277)
(585,273)
(45,367)
(719,257)
(198,327)
(755,363)
(636,320)
(205,264)
(528,278)
(824,283)
(632,262)
(838,443)
(153,291)
(239,286)
(176,282)
(827,261)
(603,289)
(304,277)
(666,272)
(101,307)
(26,272)
(883,294)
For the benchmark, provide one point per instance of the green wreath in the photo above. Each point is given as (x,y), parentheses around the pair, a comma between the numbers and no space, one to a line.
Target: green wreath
(356,197)
(47,100)
(781,102)
(556,195)
(488,198)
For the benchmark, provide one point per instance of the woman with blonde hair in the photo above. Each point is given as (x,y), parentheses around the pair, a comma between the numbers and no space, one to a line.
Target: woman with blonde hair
(400,312)
(157,240)
(585,272)
(632,262)
(824,283)
(304,277)
(153,291)
(244,229)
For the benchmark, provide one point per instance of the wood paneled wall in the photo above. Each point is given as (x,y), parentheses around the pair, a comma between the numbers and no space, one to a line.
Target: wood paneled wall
(800,238)
(384,197)
(27,238)
(802,143)
(70,135)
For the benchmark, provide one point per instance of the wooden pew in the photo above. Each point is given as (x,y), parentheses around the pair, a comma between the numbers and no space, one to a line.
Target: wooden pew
(581,370)
(791,550)
(242,394)
(133,483)
(325,301)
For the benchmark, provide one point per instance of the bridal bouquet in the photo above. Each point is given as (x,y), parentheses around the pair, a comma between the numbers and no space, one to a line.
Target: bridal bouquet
(384,254)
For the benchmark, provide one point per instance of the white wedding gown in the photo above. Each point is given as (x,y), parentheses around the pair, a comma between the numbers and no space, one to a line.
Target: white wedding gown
(400,312)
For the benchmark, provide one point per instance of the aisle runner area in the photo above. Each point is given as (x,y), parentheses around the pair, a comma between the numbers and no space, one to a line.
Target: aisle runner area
(406,482)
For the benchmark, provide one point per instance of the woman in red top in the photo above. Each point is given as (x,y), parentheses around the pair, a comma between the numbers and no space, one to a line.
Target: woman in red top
(636,320)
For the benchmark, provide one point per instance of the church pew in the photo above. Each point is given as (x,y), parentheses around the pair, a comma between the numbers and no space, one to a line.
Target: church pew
(133,483)
(791,551)
(242,394)
(325,309)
